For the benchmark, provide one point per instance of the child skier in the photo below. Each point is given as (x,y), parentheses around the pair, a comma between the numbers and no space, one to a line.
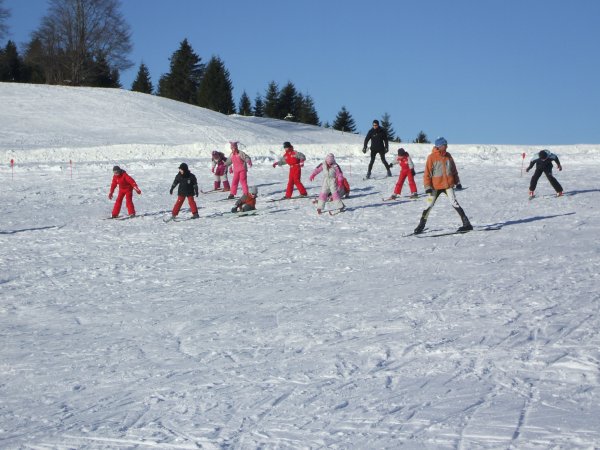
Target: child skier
(126,187)
(543,164)
(220,170)
(332,183)
(440,177)
(407,170)
(295,160)
(246,202)
(188,187)
(239,163)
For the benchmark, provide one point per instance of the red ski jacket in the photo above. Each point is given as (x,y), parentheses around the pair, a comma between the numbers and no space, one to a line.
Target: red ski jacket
(124,181)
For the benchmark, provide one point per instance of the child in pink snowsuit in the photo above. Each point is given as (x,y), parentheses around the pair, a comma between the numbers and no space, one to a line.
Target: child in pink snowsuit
(220,170)
(126,187)
(407,169)
(333,182)
(240,163)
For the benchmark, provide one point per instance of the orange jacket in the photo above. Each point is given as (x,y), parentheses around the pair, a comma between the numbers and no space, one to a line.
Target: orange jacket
(440,171)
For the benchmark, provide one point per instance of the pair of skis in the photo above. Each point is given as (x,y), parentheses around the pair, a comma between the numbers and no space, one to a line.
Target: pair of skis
(425,234)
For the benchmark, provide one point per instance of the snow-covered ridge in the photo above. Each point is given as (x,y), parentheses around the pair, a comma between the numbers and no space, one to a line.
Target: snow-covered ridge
(53,124)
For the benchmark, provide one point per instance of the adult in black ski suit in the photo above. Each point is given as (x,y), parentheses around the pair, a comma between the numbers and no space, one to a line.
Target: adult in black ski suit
(543,164)
(379,145)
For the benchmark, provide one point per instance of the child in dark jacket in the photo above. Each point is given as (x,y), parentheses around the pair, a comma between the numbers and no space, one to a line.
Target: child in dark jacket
(188,187)
(126,187)
(543,164)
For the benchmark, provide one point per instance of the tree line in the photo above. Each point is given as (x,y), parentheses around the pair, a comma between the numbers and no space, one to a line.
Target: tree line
(87,43)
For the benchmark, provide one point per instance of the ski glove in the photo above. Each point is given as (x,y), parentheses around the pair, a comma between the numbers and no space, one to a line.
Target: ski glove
(429,191)
(275,164)
(196,190)
(364,149)
(110,196)
(171,191)
(559,168)
(138,190)
(458,187)
(311,178)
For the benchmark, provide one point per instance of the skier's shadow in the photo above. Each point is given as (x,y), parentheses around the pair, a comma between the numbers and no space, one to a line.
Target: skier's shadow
(31,229)
(527,220)
(584,191)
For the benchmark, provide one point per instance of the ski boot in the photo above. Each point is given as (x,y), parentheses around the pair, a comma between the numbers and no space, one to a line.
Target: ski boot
(420,227)
(196,216)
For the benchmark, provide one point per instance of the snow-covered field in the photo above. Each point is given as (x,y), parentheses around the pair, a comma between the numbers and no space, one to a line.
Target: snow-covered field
(284,330)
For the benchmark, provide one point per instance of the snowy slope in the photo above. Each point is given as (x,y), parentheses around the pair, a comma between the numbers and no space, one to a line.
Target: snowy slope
(285,330)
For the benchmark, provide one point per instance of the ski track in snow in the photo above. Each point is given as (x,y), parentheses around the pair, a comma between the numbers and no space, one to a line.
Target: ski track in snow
(291,330)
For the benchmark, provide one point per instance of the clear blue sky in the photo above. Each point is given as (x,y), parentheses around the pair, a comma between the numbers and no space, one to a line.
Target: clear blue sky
(474,71)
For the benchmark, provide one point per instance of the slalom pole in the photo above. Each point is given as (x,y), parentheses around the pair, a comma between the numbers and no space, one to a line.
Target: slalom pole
(12,169)
(523,163)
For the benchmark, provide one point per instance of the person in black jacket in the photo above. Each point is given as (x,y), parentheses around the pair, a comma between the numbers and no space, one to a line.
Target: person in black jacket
(379,145)
(543,164)
(188,187)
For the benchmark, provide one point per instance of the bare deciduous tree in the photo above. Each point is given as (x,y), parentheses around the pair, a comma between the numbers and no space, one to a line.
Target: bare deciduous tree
(4,14)
(77,34)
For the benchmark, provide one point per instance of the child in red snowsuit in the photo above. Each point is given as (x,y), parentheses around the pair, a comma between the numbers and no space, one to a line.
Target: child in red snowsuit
(407,170)
(220,170)
(295,160)
(126,187)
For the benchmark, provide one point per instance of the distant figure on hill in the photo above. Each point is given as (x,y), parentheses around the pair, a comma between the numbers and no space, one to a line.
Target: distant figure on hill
(440,177)
(379,146)
(543,164)
(126,187)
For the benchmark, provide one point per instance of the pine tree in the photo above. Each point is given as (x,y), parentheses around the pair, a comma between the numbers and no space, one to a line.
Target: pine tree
(259,106)
(271,104)
(344,121)
(101,74)
(183,80)
(11,64)
(287,102)
(421,138)
(142,82)
(308,113)
(34,62)
(245,106)
(215,91)
(387,124)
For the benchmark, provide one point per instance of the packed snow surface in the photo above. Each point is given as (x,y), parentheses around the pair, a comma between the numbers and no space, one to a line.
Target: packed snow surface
(285,330)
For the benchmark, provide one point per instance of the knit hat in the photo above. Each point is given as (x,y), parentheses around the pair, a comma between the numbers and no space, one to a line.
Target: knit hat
(184,167)
(330,159)
(543,154)
(376,122)
(234,145)
(253,190)
(401,152)
(117,169)
(440,141)
(214,153)
(286,144)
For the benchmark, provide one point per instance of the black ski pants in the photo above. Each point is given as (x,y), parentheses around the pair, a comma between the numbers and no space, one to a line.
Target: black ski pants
(373,156)
(553,181)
